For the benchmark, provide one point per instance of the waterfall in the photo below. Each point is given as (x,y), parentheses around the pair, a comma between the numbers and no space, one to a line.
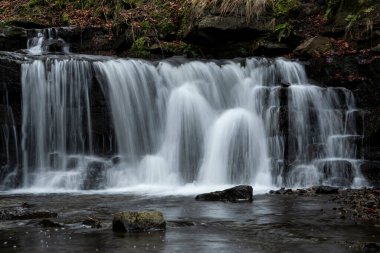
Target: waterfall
(257,121)
(44,40)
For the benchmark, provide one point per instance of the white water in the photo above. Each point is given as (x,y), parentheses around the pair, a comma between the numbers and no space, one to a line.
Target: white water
(202,124)
(40,42)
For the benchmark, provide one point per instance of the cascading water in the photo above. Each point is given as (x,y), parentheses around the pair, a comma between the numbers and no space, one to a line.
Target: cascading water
(44,39)
(209,123)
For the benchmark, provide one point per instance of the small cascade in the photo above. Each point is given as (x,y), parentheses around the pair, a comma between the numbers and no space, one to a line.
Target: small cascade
(257,121)
(45,41)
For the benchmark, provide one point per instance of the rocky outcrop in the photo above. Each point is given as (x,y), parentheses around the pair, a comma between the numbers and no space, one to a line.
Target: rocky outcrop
(314,47)
(138,221)
(241,193)
(12,38)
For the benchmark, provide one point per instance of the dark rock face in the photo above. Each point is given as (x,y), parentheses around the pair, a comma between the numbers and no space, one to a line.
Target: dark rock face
(10,118)
(371,172)
(358,73)
(138,221)
(12,38)
(241,193)
(326,190)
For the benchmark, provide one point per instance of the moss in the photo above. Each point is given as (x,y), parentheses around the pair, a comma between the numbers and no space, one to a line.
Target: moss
(285,7)
(140,47)
(65,19)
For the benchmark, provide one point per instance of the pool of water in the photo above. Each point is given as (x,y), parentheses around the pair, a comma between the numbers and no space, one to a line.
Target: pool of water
(271,223)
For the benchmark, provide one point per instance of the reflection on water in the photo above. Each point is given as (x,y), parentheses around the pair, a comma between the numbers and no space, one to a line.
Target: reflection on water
(271,223)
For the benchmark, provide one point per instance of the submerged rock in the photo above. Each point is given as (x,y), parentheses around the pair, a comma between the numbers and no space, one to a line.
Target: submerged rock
(21,213)
(92,222)
(326,190)
(241,193)
(49,224)
(138,221)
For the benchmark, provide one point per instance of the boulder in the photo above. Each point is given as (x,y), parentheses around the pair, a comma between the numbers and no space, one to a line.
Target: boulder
(326,190)
(241,193)
(314,47)
(138,221)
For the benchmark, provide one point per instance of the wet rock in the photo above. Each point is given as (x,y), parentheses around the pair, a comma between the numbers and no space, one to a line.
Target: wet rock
(371,172)
(282,191)
(337,172)
(92,222)
(241,193)
(371,248)
(49,224)
(182,223)
(12,38)
(138,221)
(314,47)
(326,190)
(55,45)
(95,175)
(21,213)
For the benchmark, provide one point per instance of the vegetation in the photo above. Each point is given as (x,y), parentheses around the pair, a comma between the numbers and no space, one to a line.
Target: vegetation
(251,8)
(144,27)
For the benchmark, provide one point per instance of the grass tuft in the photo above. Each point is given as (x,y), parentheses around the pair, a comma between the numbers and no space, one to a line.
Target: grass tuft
(247,8)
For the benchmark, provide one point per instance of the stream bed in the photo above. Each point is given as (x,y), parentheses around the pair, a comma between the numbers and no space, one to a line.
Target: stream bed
(271,223)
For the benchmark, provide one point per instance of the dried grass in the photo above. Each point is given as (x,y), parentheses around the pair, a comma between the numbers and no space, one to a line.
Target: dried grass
(247,8)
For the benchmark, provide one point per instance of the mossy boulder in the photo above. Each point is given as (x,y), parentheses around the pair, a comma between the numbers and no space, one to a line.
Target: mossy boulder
(138,221)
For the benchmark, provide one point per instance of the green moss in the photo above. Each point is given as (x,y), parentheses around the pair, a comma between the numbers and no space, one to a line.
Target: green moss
(140,47)
(65,19)
(284,7)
